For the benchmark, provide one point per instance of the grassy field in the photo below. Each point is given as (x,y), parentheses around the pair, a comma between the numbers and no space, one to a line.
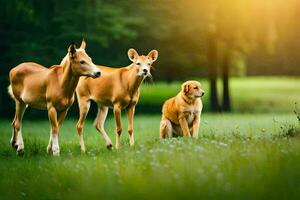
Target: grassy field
(253,153)
(238,156)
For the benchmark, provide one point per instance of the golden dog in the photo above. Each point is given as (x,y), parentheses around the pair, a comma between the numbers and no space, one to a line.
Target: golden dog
(181,114)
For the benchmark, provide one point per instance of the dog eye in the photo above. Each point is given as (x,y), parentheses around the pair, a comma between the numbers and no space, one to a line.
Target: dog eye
(82,62)
(138,63)
(149,64)
(196,88)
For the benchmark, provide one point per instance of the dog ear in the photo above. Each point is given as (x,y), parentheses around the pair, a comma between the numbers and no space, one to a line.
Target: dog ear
(185,88)
(132,55)
(83,44)
(72,50)
(152,55)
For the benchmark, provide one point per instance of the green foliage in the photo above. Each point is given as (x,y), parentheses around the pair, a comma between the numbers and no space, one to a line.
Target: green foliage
(41,31)
(297,112)
(290,130)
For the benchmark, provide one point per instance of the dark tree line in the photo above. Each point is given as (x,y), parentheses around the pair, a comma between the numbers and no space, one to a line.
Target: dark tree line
(194,38)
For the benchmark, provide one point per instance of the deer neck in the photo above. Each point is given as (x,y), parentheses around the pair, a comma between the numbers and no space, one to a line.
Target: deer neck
(69,80)
(134,81)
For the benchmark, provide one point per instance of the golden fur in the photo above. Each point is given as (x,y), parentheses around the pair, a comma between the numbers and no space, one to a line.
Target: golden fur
(181,114)
(117,88)
(50,89)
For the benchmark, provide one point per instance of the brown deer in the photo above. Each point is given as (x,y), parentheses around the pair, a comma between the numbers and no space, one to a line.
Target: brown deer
(50,89)
(119,90)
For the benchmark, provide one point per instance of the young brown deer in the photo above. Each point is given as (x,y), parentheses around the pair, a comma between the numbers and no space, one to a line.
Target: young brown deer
(52,88)
(117,88)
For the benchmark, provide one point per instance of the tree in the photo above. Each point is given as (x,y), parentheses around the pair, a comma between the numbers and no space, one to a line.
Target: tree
(212,58)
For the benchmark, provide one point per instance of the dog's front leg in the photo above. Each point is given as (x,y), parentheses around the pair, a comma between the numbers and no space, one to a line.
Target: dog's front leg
(117,113)
(195,128)
(184,126)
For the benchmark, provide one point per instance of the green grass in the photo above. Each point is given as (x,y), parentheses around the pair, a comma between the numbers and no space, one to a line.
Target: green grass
(251,94)
(238,156)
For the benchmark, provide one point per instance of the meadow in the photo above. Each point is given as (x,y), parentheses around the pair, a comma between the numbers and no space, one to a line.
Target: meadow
(254,154)
(251,94)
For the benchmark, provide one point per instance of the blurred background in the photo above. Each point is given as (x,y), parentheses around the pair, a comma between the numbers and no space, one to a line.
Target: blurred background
(245,52)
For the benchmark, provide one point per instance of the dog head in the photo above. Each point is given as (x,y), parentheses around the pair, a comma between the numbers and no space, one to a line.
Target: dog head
(142,63)
(192,89)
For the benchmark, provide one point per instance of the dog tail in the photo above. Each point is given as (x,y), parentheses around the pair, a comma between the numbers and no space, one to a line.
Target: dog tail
(10,92)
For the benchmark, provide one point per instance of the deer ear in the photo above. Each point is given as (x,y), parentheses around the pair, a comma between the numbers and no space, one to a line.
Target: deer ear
(83,44)
(132,55)
(152,55)
(72,50)
(185,87)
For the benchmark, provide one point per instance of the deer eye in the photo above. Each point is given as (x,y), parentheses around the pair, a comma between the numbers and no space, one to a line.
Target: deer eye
(82,62)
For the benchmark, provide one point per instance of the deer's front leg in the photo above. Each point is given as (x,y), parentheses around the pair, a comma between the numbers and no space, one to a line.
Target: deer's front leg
(61,117)
(117,113)
(184,125)
(130,124)
(195,128)
(53,143)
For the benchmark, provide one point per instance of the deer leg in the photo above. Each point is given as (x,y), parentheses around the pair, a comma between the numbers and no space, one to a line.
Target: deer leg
(17,139)
(99,125)
(84,106)
(130,124)
(54,146)
(117,113)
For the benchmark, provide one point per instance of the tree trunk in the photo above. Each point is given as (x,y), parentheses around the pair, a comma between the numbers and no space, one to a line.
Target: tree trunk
(225,78)
(212,63)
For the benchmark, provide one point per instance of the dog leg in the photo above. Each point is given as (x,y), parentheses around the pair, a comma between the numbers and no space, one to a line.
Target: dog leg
(195,128)
(184,126)
(165,129)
